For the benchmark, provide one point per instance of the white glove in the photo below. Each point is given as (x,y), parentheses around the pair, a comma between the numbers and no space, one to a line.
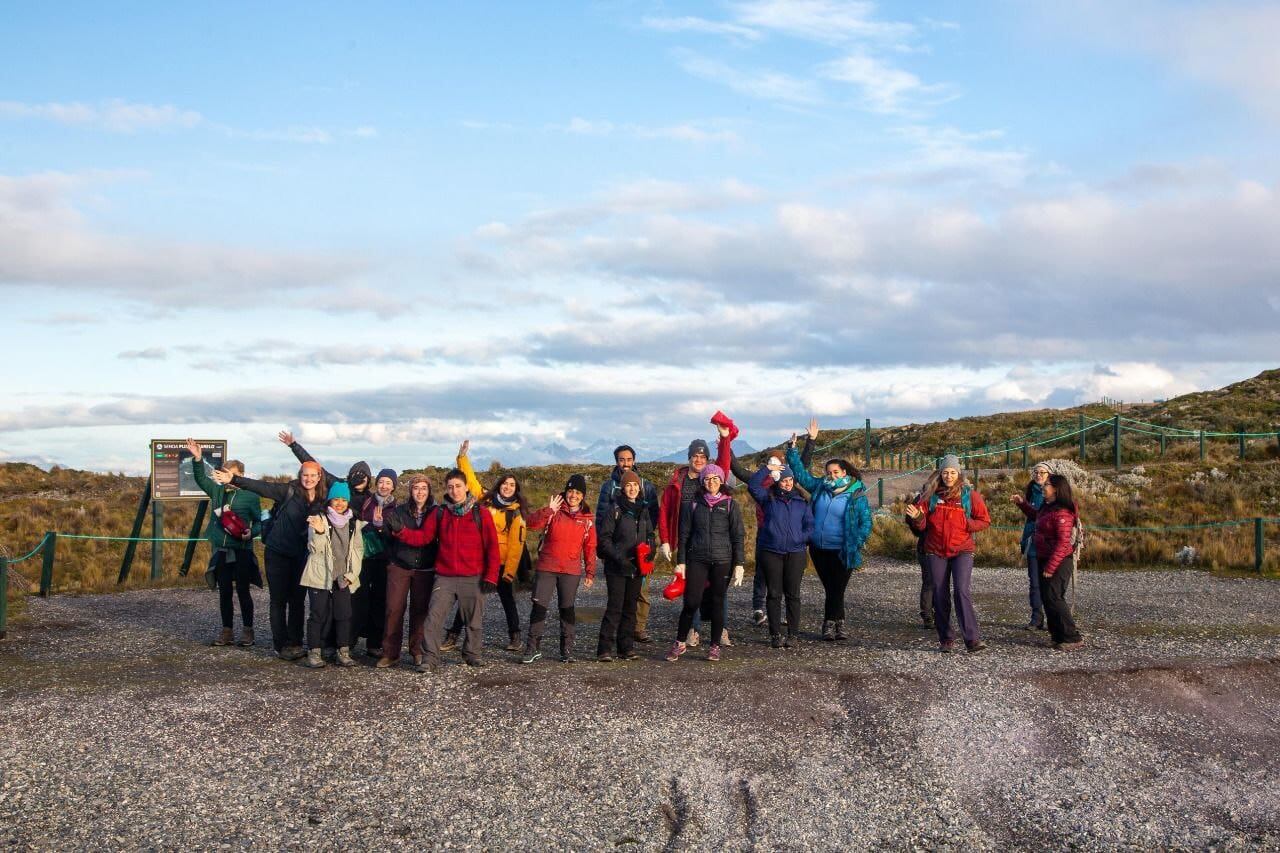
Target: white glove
(680,570)
(665,550)
(737,575)
(776,475)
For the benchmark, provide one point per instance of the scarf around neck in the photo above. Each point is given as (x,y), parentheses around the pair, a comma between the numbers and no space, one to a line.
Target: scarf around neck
(338,521)
(716,499)
(462,507)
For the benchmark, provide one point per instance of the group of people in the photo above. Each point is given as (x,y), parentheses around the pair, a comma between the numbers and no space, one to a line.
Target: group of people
(356,558)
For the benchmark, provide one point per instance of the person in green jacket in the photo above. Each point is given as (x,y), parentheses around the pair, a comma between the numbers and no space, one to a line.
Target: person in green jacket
(232,564)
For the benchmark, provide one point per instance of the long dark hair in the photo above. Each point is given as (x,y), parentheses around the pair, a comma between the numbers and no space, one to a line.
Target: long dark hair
(845,466)
(490,498)
(1062,494)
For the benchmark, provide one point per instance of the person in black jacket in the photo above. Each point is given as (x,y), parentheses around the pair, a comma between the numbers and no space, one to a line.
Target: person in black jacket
(411,572)
(286,548)
(711,542)
(624,458)
(628,524)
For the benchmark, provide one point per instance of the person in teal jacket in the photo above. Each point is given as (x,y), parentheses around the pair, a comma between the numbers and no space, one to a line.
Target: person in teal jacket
(232,563)
(841,525)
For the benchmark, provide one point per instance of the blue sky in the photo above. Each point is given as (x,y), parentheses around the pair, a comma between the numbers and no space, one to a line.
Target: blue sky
(393,228)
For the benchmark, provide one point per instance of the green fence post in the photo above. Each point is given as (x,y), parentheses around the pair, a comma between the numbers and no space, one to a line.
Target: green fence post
(193,538)
(1258,545)
(1162,445)
(1024,456)
(1082,437)
(157,547)
(127,563)
(46,567)
(1117,442)
(1008,460)
(1201,445)
(1243,441)
(4,596)
(868,442)
(880,492)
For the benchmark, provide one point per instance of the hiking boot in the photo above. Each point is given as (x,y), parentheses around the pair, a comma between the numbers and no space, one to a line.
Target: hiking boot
(344,657)
(1034,625)
(515,643)
(693,639)
(631,656)
(425,667)
(713,653)
(387,663)
(677,649)
(246,637)
(724,638)
(926,622)
(839,630)
(224,638)
(291,653)
(604,657)
(315,660)
(373,651)
(759,617)
(775,641)
(791,641)
(531,655)
(1070,647)
(642,637)
(947,646)
(476,663)
(450,641)
(567,657)
(828,630)
(974,648)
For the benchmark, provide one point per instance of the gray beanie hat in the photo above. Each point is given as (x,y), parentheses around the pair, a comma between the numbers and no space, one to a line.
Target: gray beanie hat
(950,461)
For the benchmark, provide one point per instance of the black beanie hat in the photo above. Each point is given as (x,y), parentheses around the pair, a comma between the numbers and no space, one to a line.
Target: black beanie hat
(578,483)
(699,446)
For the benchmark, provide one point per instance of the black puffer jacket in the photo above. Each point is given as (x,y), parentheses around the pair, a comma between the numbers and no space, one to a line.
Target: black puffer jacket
(712,534)
(624,526)
(289,514)
(407,556)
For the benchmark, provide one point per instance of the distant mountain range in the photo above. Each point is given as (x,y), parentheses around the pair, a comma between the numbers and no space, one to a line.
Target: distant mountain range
(597,453)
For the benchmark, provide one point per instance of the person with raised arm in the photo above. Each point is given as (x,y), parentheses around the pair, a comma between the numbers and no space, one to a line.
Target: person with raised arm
(841,525)
(1056,520)
(624,460)
(285,547)
(411,572)
(1033,497)
(781,542)
(335,549)
(948,516)
(710,552)
(466,565)
(236,518)
(566,553)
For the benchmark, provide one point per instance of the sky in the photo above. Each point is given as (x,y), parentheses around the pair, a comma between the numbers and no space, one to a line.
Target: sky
(391,227)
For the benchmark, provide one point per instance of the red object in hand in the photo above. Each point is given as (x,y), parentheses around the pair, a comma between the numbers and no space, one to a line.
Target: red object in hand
(644,558)
(232,524)
(720,419)
(675,589)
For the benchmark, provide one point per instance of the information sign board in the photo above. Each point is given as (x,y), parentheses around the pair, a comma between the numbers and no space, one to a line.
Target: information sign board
(171,473)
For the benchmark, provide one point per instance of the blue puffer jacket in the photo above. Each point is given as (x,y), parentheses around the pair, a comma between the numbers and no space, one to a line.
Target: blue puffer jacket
(857,512)
(788,518)
(1029,528)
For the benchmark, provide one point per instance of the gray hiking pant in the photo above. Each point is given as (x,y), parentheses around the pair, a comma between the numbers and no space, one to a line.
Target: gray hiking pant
(466,592)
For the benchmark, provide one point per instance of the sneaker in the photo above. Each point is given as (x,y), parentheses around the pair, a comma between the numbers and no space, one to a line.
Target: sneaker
(758,617)
(515,645)
(713,653)
(974,648)
(531,655)
(567,657)
(724,638)
(1033,625)
(246,637)
(839,630)
(947,646)
(631,656)
(450,641)
(677,649)
(291,653)
(476,663)
(642,637)
(1070,647)
(693,639)
(604,657)
(828,630)
(315,660)
(224,638)
(775,641)
(425,667)
(344,657)
(387,663)
(791,641)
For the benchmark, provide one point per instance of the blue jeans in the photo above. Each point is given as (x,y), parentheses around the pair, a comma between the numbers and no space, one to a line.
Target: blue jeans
(1033,577)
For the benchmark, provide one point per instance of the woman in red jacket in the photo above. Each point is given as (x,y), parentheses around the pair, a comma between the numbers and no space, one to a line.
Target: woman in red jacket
(1056,521)
(949,515)
(568,550)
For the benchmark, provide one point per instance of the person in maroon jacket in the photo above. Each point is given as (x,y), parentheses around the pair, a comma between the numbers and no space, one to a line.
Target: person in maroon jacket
(567,551)
(949,516)
(466,565)
(1056,521)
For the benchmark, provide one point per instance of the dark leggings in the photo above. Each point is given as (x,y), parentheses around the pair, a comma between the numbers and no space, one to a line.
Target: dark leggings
(288,598)
(507,595)
(835,578)
(696,575)
(782,573)
(1062,625)
(234,577)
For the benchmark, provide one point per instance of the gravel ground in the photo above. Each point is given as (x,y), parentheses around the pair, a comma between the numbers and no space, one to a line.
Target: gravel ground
(119,728)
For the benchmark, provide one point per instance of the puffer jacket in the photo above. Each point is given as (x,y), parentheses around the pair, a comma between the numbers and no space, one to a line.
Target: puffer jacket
(857,509)
(509,521)
(1028,543)
(788,517)
(622,529)
(948,529)
(1054,525)
(288,534)
(711,534)
(468,542)
(569,543)
(406,556)
(320,571)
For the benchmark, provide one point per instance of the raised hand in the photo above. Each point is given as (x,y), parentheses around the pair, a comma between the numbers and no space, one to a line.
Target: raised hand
(913,511)
(723,430)
(464,447)
(222,476)
(813,428)
(377,513)
(1017,498)
(793,439)
(285,437)
(317,523)
(556,502)
(194,449)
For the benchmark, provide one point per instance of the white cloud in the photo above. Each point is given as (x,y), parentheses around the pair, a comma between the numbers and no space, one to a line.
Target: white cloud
(688,24)
(820,20)
(884,88)
(115,115)
(764,84)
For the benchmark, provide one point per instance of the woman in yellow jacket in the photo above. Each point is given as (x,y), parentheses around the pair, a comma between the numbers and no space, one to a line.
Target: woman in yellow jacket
(506,504)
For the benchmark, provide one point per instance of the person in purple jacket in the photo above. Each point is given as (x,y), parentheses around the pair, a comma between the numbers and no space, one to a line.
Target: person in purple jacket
(782,542)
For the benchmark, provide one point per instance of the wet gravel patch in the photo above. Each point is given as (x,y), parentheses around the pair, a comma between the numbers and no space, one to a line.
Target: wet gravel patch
(121,728)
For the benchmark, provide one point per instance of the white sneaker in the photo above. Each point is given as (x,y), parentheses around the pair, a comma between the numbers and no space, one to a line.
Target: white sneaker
(693,639)
(759,617)
(724,638)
